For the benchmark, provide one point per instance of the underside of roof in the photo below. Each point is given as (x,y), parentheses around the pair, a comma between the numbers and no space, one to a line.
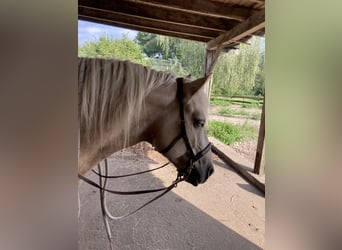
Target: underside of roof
(219,23)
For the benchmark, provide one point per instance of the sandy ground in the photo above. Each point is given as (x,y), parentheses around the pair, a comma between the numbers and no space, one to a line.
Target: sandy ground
(214,115)
(224,213)
(235,120)
(247,149)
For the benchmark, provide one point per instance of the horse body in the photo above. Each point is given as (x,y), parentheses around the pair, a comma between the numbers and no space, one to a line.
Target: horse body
(122,103)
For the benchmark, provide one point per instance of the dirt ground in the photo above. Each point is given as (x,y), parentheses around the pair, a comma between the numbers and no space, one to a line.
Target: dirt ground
(246,149)
(226,212)
(214,115)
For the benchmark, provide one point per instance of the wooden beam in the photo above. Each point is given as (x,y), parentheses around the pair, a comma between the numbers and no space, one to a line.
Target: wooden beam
(251,25)
(157,14)
(145,29)
(258,167)
(210,60)
(207,8)
(142,22)
(240,170)
(257,1)
(209,57)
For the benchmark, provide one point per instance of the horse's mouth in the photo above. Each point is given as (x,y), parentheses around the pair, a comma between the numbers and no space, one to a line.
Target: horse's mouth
(196,178)
(193,180)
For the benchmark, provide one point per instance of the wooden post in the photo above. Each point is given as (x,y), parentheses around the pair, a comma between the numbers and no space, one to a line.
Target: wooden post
(211,57)
(259,164)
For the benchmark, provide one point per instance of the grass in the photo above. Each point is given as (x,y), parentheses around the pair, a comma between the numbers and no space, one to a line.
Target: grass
(219,102)
(229,133)
(252,105)
(256,116)
(233,112)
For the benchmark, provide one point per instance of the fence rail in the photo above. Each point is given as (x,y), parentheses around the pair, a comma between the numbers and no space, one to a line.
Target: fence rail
(248,97)
(240,99)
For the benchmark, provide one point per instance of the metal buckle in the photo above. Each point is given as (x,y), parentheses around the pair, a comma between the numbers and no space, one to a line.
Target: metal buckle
(191,166)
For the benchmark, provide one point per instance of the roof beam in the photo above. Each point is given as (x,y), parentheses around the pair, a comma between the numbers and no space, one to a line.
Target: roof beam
(253,24)
(208,8)
(159,14)
(143,22)
(257,1)
(146,29)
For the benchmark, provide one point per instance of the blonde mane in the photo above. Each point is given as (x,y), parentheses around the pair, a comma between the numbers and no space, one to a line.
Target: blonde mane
(112,94)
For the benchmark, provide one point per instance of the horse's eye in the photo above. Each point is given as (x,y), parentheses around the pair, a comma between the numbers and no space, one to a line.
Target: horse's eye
(199,123)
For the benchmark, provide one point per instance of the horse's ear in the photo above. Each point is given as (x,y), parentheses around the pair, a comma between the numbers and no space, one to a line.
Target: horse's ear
(192,87)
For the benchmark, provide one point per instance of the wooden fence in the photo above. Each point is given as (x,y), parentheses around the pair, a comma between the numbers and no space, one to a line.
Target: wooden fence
(240,99)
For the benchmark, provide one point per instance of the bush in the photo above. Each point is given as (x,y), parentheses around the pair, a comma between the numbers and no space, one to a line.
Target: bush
(227,133)
(108,47)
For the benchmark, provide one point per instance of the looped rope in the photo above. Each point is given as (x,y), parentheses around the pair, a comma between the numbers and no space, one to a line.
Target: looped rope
(102,187)
(135,192)
(127,175)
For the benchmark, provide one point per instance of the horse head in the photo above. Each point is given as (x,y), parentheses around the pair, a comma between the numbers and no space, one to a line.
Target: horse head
(180,134)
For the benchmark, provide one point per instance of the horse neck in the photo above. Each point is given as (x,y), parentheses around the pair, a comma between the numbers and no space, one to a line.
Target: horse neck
(158,105)
(155,104)
(113,139)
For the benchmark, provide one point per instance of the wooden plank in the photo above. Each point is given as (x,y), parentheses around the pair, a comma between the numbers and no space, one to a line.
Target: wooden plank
(157,14)
(258,167)
(240,170)
(257,1)
(211,57)
(248,27)
(137,21)
(145,29)
(211,60)
(208,8)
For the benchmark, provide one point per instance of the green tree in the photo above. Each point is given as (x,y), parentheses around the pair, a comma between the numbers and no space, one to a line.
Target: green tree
(259,88)
(236,71)
(143,37)
(192,57)
(188,56)
(148,43)
(169,45)
(180,56)
(107,47)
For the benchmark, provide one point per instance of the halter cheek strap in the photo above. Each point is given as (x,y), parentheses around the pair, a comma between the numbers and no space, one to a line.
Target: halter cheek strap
(183,135)
(172,143)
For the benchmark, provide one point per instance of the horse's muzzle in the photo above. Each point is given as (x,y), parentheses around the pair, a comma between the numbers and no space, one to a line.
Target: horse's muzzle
(198,176)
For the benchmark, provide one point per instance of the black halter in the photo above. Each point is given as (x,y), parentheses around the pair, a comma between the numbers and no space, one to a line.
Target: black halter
(192,156)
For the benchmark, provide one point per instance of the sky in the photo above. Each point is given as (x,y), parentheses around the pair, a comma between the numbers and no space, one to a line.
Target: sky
(88,31)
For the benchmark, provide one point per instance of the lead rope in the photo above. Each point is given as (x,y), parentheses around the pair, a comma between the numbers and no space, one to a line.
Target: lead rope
(106,215)
(103,188)
(104,210)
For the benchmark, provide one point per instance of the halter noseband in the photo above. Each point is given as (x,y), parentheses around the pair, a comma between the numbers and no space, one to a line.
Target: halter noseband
(183,135)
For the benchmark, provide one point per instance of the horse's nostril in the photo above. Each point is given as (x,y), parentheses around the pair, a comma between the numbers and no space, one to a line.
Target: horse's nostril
(210,171)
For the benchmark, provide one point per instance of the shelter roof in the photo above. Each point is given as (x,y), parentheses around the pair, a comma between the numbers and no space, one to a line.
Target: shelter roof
(223,23)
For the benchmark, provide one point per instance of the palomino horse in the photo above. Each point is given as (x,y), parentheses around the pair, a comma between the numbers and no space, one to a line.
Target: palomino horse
(122,103)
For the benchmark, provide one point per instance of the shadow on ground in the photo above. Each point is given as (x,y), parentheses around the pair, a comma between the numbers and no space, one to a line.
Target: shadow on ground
(169,223)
